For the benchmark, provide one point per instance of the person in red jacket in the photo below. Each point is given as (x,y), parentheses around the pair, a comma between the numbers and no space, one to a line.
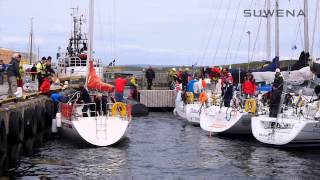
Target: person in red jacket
(119,84)
(45,86)
(249,86)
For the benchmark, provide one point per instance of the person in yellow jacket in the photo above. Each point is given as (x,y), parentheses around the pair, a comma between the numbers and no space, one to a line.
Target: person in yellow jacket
(41,70)
(20,78)
(133,87)
(172,77)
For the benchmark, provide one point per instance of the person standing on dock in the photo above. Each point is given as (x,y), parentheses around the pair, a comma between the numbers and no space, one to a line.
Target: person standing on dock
(119,88)
(13,73)
(49,69)
(2,69)
(150,75)
(41,70)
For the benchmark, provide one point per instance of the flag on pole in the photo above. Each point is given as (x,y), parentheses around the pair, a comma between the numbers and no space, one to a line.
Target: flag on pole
(294,47)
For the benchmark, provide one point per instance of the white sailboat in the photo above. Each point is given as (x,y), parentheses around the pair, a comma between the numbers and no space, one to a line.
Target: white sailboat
(229,120)
(180,108)
(190,112)
(293,126)
(96,129)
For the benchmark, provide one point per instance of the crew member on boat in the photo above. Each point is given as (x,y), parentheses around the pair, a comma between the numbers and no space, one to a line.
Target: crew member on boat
(275,98)
(249,86)
(119,83)
(133,88)
(185,79)
(228,89)
(101,104)
(179,75)
(172,77)
(85,98)
(214,75)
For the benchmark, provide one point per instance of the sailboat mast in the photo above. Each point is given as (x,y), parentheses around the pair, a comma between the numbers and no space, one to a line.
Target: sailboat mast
(277,30)
(90,37)
(306,27)
(268,38)
(31,39)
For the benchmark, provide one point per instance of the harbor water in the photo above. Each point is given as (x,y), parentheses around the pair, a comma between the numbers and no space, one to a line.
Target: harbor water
(163,146)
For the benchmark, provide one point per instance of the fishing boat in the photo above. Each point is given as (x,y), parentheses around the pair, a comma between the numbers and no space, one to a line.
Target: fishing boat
(72,64)
(93,126)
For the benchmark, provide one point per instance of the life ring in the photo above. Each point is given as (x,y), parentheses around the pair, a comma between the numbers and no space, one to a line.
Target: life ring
(203,97)
(250,106)
(120,108)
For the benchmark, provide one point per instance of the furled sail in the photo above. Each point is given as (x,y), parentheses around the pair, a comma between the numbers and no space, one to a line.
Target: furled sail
(94,82)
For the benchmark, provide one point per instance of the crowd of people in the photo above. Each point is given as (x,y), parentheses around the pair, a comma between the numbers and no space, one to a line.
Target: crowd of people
(17,76)
(221,80)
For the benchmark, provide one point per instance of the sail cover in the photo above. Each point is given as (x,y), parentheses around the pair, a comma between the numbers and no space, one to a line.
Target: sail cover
(95,83)
(292,77)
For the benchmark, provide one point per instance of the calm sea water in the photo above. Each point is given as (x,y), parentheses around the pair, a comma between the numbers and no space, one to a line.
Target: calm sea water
(162,146)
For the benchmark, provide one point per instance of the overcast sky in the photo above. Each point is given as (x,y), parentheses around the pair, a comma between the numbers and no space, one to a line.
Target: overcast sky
(162,32)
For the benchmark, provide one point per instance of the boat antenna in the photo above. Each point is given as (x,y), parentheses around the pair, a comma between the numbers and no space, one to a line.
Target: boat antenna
(90,37)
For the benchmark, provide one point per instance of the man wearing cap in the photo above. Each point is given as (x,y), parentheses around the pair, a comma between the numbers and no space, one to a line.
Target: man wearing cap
(41,70)
(275,98)
(13,73)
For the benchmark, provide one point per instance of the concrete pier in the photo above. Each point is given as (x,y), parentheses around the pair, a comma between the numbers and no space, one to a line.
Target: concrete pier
(24,124)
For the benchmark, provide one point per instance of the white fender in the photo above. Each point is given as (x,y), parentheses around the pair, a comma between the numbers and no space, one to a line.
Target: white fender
(54,126)
(58,119)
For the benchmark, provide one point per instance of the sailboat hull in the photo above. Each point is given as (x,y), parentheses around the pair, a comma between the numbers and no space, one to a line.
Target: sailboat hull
(180,109)
(221,120)
(285,131)
(97,131)
(193,113)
